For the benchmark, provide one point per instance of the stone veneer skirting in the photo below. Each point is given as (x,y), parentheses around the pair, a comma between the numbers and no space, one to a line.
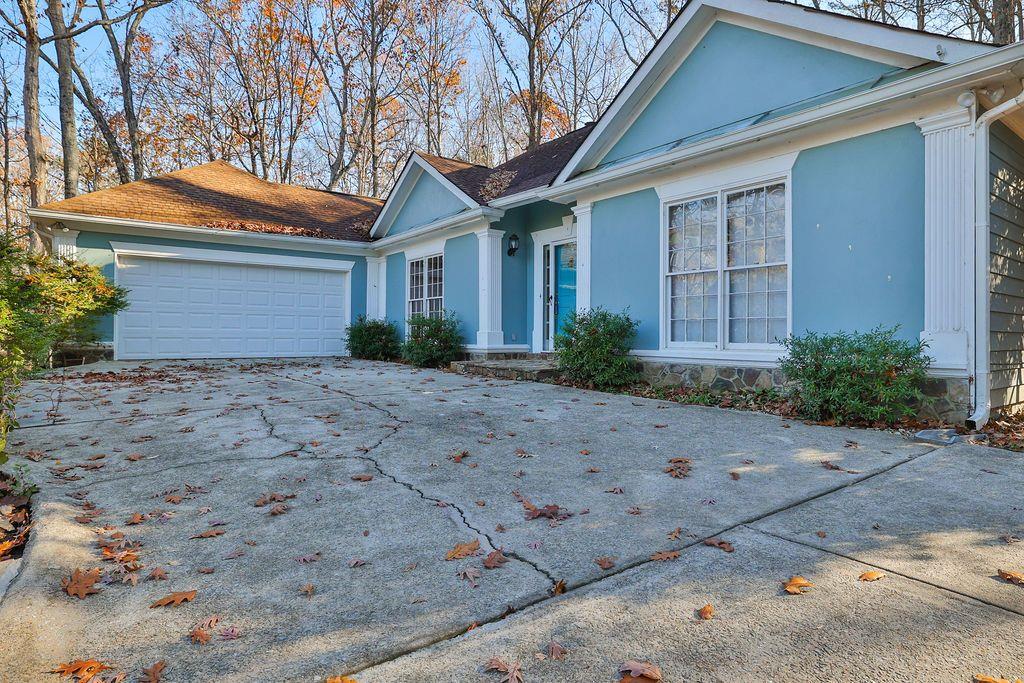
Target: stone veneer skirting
(946,398)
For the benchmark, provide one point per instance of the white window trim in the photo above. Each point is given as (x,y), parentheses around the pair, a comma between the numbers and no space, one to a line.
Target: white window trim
(693,188)
(408,265)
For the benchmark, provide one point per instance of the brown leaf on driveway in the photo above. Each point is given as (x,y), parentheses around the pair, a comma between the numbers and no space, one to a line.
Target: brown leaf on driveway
(678,468)
(308,559)
(513,672)
(80,584)
(463,550)
(558,588)
(797,585)
(154,674)
(1012,577)
(209,533)
(719,543)
(871,575)
(641,671)
(706,612)
(362,477)
(307,590)
(982,678)
(279,509)
(495,559)
(470,574)
(199,635)
(82,669)
(158,574)
(137,518)
(665,555)
(556,651)
(175,599)
(674,534)
(829,465)
(605,563)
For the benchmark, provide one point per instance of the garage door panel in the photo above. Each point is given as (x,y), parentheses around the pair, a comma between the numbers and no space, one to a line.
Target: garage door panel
(198,309)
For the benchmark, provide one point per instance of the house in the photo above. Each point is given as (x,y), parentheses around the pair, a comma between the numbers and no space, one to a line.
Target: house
(768,169)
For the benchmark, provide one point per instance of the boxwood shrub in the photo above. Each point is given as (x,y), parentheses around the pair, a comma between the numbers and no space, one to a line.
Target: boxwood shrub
(373,339)
(433,342)
(593,349)
(871,377)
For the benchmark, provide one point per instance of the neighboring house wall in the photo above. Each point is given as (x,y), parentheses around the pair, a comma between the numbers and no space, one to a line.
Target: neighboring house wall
(1006,278)
(858,234)
(461,284)
(428,201)
(94,247)
(734,73)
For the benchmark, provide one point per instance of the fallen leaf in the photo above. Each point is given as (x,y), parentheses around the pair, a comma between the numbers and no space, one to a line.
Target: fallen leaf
(674,534)
(209,533)
(175,599)
(513,672)
(1012,577)
(641,670)
(495,559)
(80,584)
(308,559)
(605,562)
(664,555)
(356,562)
(137,518)
(82,669)
(154,673)
(706,612)
(307,590)
(556,651)
(982,678)
(158,574)
(558,588)
(362,477)
(199,635)
(470,574)
(206,570)
(820,534)
(871,575)
(463,550)
(340,679)
(797,585)
(230,633)
(719,543)
(678,468)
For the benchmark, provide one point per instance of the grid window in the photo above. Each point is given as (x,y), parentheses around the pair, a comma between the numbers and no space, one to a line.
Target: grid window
(750,225)
(426,286)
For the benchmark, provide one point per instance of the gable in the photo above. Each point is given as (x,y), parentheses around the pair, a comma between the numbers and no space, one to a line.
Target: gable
(427,201)
(735,73)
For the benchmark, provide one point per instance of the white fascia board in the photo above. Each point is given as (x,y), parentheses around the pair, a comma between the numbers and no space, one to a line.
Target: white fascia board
(219,235)
(407,179)
(1000,63)
(886,44)
(466,221)
(227,256)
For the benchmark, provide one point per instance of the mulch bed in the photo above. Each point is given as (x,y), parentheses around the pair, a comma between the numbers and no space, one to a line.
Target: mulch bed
(15,519)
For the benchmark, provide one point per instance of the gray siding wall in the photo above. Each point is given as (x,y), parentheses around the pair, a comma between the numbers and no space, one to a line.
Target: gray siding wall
(1007,270)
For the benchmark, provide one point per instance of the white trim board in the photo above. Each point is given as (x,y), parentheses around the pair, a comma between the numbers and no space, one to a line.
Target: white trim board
(224,256)
(566,232)
(414,168)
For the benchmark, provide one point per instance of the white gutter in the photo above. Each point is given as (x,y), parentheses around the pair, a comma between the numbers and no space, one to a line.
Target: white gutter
(435,228)
(272,239)
(959,75)
(982,229)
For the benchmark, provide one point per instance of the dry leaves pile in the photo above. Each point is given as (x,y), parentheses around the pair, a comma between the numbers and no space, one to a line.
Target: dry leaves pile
(15,520)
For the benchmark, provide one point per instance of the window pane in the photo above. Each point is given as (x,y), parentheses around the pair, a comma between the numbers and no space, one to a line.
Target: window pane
(695,245)
(693,307)
(758,306)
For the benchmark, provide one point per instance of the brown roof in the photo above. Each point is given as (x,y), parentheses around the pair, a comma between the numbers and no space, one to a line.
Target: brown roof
(535,168)
(218,195)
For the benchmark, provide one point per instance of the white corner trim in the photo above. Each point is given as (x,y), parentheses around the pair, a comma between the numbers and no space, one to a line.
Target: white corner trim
(692,183)
(489,333)
(583,256)
(65,242)
(376,286)
(226,256)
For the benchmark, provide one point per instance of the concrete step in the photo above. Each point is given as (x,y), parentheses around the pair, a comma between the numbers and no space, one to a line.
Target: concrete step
(529,369)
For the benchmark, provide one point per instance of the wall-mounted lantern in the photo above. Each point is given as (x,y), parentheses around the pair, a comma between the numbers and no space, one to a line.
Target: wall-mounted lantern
(513,244)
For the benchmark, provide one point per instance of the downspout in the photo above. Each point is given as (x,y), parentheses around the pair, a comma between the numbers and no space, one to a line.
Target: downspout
(982,226)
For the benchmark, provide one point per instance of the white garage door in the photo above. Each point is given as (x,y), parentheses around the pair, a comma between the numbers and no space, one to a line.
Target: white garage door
(209,309)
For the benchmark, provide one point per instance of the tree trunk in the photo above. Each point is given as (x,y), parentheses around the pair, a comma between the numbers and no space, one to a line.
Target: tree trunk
(65,97)
(37,161)
(1002,21)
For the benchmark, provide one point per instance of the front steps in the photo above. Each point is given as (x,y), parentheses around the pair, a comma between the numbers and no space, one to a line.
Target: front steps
(533,369)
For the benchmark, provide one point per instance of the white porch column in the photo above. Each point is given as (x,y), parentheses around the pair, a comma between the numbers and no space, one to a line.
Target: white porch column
(582,212)
(490,334)
(65,242)
(948,236)
(376,286)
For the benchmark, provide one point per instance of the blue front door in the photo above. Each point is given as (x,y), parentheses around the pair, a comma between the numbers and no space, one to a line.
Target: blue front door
(564,275)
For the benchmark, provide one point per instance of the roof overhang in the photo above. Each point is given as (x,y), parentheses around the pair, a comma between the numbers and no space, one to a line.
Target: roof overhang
(123,226)
(414,167)
(938,84)
(886,44)
(444,227)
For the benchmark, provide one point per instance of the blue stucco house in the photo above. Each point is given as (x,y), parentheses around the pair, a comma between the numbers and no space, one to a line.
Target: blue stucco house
(768,169)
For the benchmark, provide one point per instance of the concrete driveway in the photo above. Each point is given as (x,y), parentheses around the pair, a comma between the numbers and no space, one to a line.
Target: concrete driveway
(384,470)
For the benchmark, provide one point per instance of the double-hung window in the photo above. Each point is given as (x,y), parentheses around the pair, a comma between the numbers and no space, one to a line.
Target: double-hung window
(726,269)
(426,286)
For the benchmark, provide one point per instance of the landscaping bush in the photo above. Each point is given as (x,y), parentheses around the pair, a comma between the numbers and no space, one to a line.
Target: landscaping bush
(433,342)
(372,339)
(44,303)
(868,377)
(593,349)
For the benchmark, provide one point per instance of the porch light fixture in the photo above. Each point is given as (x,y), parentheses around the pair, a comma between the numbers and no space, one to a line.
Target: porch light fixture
(513,244)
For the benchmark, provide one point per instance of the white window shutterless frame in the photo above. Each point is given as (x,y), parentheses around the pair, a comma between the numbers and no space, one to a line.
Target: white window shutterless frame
(726,275)
(425,295)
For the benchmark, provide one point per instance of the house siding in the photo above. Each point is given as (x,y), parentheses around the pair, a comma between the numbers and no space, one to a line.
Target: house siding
(462,284)
(428,201)
(396,290)
(858,234)
(1006,272)
(734,73)
(94,247)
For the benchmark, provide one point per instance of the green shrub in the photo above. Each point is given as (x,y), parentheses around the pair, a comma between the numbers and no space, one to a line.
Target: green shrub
(433,342)
(593,349)
(44,303)
(854,378)
(372,339)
